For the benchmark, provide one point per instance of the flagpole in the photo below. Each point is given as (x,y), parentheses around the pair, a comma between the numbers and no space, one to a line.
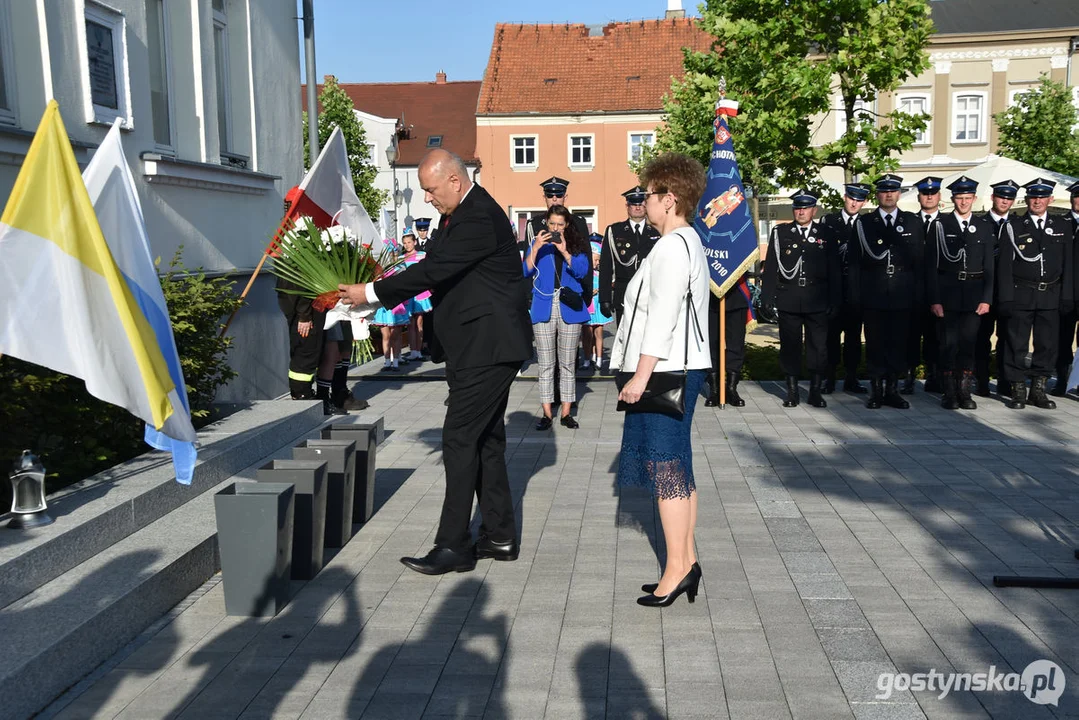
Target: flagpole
(285,221)
(722,345)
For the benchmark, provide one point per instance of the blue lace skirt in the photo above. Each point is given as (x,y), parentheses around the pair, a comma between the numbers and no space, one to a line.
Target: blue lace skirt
(655,448)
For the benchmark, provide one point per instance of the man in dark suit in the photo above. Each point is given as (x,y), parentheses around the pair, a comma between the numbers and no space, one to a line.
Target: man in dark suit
(1002,199)
(1068,322)
(803,281)
(849,322)
(625,245)
(1035,271)
(484,334)
(888,282)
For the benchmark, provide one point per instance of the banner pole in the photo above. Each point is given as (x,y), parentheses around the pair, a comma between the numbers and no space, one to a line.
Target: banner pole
(285,222)
(722,345)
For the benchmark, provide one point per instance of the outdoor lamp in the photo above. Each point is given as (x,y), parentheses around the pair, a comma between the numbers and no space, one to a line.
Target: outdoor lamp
(398,197)
(391,153)
(28,493)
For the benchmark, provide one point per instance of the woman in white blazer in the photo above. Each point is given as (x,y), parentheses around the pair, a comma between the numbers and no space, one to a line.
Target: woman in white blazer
(652,337)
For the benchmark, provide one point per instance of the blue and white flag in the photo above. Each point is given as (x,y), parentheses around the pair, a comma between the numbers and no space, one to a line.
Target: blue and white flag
(116,203)
(723,218)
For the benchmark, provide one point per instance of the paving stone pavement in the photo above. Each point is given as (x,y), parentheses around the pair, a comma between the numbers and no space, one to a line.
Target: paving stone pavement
(837,545)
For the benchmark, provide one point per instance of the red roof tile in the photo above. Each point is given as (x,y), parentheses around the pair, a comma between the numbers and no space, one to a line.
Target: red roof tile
(425,108)
(566,69)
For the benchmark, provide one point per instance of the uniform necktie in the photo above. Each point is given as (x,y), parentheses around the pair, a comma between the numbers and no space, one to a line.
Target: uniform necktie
(888,221)
(965,224)
(637,231)
(1040,221)
(850,220)
(928,219)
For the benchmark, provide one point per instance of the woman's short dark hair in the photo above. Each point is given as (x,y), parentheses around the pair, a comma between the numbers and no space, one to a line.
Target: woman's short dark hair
(679,175)
(575,245)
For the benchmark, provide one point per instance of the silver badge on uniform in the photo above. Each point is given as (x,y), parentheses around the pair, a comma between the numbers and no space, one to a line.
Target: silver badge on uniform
(971,229)
(1049,231)
(899,228)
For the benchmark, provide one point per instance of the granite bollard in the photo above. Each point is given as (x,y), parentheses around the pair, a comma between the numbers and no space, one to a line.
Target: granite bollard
(254,537)
(309,530)
(340,459)
(366,439)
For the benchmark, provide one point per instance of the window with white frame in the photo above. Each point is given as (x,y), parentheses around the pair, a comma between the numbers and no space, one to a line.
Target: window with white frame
(106,65)
(637,141)
(916,105)
(968,119)
(221,73)
(157,46)
(524,151)
(862,116)
(7,66)
(580,150)
(589,215)
(1014,96)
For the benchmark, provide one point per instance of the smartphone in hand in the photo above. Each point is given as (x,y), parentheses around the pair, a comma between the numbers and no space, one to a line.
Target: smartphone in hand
(556,237)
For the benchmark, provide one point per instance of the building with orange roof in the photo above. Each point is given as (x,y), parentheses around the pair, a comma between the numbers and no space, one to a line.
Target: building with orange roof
(575,101)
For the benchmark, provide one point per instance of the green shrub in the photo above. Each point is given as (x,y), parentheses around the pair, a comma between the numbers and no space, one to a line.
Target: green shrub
(78,435)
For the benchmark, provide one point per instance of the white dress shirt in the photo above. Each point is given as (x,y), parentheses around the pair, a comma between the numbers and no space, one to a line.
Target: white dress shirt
(658,290)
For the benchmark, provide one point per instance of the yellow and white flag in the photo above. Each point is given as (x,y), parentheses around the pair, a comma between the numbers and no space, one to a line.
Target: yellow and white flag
(64,303)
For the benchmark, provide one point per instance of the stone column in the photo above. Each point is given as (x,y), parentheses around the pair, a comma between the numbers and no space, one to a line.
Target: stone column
(942,106)
(998,99)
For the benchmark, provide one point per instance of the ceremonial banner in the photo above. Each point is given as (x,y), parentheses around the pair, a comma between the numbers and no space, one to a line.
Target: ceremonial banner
(723,218)
(116,203)
(64,302)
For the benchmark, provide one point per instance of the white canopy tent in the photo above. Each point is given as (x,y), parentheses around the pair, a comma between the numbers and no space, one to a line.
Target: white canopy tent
(995,169)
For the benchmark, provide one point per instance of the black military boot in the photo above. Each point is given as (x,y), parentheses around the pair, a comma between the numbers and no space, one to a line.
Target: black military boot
(966,384)
(792,392)
(851,385)
(829,383)
(815,398)
(300,390)
(322,392)
(713,390)
(733,398)
(1038,398)
(876,393)
(1004,387)
(950,399)
(933,380)
(1060,389)
(892,398)
(1018,396)
(908,384)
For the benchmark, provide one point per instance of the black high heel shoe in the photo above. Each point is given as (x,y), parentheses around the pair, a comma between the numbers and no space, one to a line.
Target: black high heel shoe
(651,587)
(689,585)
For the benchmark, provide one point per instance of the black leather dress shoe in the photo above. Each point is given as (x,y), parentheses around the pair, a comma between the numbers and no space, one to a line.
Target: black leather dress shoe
(568,422)
(441,560)
(544,423)
(487,548)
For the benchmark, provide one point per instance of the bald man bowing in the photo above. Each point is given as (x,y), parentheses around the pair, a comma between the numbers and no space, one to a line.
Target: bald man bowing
(484,334)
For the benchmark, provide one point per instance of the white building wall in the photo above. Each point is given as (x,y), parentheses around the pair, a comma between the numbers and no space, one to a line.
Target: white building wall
(221,216)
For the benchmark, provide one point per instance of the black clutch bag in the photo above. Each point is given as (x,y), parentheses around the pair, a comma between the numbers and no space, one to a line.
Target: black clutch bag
(665,392)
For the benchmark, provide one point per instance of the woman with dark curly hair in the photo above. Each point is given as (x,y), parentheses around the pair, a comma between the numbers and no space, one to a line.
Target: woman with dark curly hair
(665,329)
(557,262)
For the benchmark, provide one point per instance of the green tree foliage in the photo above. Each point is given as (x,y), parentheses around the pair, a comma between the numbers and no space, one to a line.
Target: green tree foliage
(1040,128)
(78,435)
(785,61)
(338,111)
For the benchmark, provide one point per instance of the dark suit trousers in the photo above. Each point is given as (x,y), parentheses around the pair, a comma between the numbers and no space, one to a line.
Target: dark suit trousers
(474,454)
(849,326)
(735,340)
(1064,345)
(957,333)
(886,341)
(1046,327)
(984,346)
(791,326)
(923,327)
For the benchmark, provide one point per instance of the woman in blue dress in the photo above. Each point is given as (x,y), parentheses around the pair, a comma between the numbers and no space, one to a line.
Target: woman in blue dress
(666,330)
(392,321)
(419,305)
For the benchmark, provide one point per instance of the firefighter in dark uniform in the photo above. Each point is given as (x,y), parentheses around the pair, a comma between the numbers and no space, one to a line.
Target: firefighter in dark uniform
(923,336)
(887,281)
(422,227)
(554,193)
(849,323)
(625,245)
(959,285)
(1068,322)
(736,310)
(1002,199)
(804,282)
(1035,277)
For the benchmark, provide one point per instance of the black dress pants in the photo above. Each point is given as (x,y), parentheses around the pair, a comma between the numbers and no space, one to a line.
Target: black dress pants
(735,339)
(474,454)
(1066,337)
(922,344)
(791,328)
(1045,325)
(847,326)
(991,322)
(957,334)
(886,341)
